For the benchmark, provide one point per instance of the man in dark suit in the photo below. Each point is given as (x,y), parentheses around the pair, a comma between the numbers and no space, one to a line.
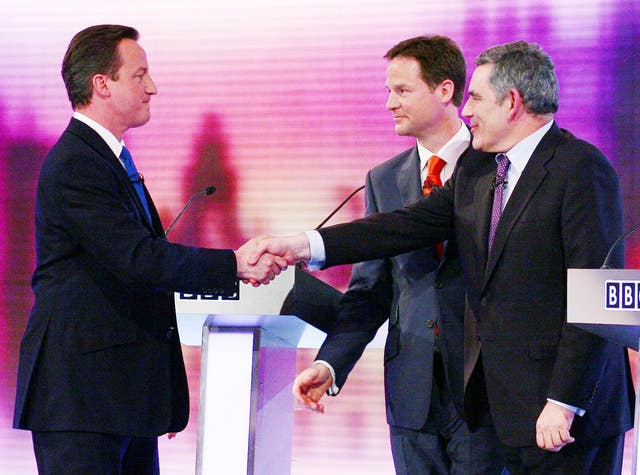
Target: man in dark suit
(561,399)
(421,293)
(101,374)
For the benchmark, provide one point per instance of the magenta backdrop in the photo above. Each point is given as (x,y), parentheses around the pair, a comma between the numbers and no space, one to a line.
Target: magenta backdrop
(281,107)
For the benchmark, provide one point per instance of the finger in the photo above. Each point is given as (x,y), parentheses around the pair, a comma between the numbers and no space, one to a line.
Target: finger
(313,405)
(281,262)
(565,438)
(544,440)
(561,437)
(556,439)
(297,394)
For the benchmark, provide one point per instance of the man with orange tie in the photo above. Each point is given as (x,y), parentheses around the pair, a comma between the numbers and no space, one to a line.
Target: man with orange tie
(420,293)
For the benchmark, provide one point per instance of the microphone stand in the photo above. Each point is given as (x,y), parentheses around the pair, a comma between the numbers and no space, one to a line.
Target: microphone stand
(344,202)
(207,191)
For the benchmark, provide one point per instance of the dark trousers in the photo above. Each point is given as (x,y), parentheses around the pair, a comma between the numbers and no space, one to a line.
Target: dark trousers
(88,453)
(605,458)
(445,446)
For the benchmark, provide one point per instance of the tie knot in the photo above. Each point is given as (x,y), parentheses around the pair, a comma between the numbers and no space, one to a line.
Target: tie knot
(435,165)
(503,165)
(129,166)
(125,156)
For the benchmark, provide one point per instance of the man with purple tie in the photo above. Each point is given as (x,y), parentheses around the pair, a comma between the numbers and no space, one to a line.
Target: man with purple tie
(561,399)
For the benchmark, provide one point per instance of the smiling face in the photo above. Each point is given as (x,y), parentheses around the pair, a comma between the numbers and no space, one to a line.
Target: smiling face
(417,108)
(488,117)
(131,91)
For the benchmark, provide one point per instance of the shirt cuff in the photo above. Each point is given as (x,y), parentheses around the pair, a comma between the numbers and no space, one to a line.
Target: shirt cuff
(316,246)
(332,390)
(577,410)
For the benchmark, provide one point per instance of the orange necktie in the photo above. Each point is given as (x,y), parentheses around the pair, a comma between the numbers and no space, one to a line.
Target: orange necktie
(434,167)
(433,180)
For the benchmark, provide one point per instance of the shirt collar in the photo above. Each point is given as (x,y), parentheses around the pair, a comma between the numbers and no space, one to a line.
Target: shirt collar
(451,151)
(112,142)
(521,152)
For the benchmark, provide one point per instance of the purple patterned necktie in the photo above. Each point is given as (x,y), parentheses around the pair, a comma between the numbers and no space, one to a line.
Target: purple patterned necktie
(498,185)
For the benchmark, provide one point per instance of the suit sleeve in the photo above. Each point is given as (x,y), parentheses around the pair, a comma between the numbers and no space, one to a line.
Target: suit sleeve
(91,203)
(424,223)
(362,311)
(591,221)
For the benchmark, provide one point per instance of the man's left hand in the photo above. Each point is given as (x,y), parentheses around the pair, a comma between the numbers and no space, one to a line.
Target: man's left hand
(552,427)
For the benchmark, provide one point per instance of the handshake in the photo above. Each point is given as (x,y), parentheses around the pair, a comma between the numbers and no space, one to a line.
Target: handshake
(262,258)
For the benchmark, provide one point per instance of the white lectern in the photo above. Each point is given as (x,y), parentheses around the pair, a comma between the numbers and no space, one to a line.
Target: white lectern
(248,364)
(607,303)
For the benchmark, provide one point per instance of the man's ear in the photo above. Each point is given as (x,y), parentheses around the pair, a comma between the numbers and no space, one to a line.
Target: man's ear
(100,85)
(516,103)
(447,90)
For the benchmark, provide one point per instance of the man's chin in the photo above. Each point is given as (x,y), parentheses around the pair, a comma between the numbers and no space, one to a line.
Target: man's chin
(477,145)
(140,122)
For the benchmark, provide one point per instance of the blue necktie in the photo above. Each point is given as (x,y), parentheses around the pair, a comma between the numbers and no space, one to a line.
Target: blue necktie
(136,179)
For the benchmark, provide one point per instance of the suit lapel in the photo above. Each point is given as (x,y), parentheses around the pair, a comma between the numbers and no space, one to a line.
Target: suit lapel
(91,137)
(408,178)
(526,188)
(481,168)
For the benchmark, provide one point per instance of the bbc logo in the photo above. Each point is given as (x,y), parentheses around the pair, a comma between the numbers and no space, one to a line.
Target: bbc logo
(622,295)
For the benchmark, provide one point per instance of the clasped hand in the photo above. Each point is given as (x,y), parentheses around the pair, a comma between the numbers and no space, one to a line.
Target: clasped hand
(257,270)
(262,258)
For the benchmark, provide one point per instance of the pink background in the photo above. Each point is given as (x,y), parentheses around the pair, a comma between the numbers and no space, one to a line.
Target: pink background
(280,105)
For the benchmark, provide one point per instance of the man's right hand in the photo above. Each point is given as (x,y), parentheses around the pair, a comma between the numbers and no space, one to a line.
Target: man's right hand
(292,248)
(310,385)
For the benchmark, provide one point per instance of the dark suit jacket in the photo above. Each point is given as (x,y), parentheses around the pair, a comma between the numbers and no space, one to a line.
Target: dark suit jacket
(101,351)
(412,290)
(564,213)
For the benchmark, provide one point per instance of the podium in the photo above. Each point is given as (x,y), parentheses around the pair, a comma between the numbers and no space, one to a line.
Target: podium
(248,363)
(607,302)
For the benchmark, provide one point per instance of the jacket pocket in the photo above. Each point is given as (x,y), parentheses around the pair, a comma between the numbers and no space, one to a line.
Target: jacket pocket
(90,338)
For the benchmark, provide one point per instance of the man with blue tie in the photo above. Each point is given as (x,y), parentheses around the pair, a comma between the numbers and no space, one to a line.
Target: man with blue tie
(101,374)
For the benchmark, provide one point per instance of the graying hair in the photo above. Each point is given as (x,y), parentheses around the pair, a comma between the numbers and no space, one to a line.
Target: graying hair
(527,68)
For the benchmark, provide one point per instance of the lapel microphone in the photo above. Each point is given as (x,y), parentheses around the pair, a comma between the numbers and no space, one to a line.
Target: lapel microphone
(495,183)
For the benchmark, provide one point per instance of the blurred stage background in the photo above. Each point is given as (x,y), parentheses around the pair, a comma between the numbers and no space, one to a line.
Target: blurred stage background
(280,105)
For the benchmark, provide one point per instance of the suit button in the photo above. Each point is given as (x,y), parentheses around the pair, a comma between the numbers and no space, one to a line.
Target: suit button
(439,285)
(170,333)
(430,323)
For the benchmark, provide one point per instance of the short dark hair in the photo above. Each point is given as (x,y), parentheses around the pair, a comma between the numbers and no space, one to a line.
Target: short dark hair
(439,58)
(92,51)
